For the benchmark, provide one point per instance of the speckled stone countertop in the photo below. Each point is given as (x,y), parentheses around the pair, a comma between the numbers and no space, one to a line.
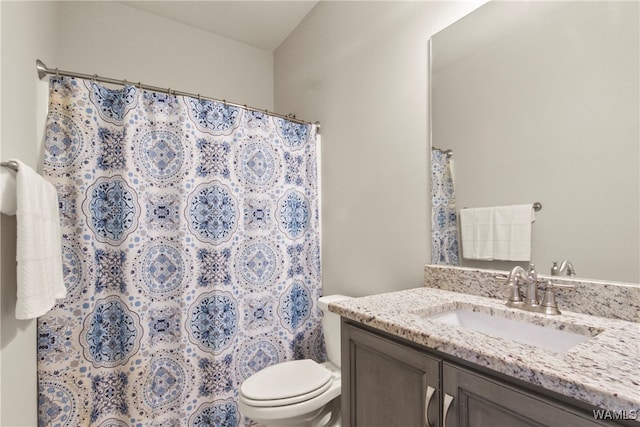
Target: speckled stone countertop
(603,371)
(595,297)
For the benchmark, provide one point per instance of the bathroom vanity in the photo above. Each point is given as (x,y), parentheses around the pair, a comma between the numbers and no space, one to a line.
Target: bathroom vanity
(380,373)
(402,366)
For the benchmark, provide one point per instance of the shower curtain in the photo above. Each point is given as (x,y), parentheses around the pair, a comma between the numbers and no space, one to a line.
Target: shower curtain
(444,224)
(191,256)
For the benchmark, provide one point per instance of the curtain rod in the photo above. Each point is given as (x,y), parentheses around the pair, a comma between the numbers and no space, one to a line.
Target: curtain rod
(43,71)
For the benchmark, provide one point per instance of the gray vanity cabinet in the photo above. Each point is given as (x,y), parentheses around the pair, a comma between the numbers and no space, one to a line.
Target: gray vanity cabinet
(386,384)
(389,383)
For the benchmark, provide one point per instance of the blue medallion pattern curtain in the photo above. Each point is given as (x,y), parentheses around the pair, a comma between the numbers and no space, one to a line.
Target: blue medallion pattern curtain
(191,256)
(444,223)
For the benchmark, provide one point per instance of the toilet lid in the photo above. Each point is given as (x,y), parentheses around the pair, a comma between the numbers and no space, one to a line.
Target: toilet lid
(286,380)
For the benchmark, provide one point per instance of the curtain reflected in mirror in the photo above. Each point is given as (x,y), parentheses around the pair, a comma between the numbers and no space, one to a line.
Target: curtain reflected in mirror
(444,224)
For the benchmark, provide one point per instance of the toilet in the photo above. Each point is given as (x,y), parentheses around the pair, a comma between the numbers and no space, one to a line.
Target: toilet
(301,393)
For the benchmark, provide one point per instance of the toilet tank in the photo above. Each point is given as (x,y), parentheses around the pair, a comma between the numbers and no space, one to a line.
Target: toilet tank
(331,327)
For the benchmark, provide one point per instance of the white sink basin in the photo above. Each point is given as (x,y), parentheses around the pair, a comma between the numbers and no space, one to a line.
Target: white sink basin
(526,333)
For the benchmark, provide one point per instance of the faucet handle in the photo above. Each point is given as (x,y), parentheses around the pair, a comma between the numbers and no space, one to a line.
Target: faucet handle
(550,286)
(514,290)
(565,286)
(549,304)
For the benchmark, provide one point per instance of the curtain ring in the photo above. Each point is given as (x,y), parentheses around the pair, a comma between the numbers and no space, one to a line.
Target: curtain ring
(124,82)
(139,85)
(199,98)
(224,101)
(95,78)
(169,91)
(57,73)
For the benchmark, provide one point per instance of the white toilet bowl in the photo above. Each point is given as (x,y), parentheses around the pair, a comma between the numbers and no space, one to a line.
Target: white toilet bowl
(301,393)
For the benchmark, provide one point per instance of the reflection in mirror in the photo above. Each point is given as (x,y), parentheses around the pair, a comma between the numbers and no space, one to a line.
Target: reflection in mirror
(539,101)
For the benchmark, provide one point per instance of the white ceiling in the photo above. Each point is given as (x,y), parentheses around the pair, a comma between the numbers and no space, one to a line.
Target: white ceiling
(263,24)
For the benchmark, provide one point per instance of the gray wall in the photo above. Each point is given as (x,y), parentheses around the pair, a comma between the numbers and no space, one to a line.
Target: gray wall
(360,68)
(28,29)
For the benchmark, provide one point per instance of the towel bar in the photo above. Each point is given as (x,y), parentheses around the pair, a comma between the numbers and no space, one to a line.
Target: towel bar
(537,206)
(10,164)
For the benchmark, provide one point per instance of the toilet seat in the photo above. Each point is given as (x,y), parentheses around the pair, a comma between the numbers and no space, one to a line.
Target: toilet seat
(287,400)
(286,383)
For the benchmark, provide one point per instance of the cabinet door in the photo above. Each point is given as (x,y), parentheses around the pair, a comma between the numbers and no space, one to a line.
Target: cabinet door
(480,401)
(387,384)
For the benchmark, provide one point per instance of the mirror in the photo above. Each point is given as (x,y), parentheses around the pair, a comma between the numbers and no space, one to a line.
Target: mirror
(539,102)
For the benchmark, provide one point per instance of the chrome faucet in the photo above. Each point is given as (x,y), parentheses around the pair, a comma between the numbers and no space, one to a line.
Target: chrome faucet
(566,267)
(529,300)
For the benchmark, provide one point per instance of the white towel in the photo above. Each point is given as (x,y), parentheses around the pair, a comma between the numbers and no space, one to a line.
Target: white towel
(476,230)
(512,232)
(39,246)
(497,233)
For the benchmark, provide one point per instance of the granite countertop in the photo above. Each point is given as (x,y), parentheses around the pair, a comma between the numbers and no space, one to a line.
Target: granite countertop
(603,371)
